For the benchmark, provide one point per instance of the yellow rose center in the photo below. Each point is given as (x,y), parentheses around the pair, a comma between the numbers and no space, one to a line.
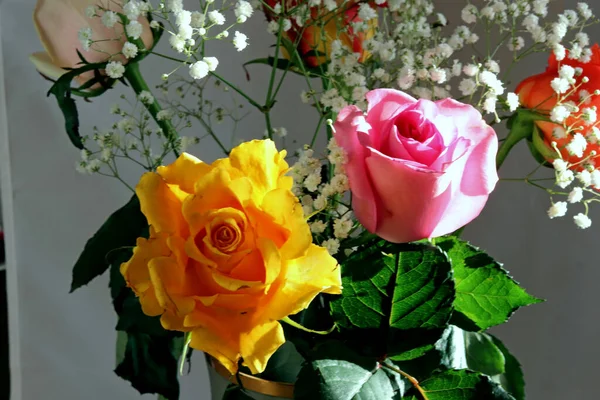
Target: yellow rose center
(227,236)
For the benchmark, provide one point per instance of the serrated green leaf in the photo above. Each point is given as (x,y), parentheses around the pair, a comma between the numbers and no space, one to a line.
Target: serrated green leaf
(338,373)
(402,287)
(485,292)
(461,385)
(121,229)
(396,299)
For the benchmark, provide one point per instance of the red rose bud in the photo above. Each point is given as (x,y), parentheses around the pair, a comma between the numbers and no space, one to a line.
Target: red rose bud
(574,82)
(314,36)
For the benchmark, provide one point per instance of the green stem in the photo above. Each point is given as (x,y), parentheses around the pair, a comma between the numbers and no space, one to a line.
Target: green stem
(138,84)
(238,91)
(184,351)
(410,378)
(269,99)
(293,323)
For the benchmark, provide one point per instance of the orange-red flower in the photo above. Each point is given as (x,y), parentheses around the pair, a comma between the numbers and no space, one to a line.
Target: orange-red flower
(315,35)
(536,93)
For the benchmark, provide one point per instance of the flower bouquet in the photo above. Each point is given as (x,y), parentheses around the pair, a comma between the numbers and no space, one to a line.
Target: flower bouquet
(331,265)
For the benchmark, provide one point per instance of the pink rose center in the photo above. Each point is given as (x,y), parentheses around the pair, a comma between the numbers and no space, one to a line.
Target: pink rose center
(414,138)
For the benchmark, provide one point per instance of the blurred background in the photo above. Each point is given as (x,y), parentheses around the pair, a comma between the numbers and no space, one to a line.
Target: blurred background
(62,345)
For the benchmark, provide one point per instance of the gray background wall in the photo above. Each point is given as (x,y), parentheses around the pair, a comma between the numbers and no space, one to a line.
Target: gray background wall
(62,344)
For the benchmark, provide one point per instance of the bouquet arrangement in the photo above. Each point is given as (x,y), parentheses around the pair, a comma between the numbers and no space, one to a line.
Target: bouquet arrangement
(334,270)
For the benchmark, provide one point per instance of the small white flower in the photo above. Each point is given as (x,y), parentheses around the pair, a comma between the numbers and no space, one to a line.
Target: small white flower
(132,10)
(216,17)
(560,165)
(287,25)
(559,113)
(559,51)
(305,97)
(564,178)
(175,5)
(183,18)
(512,99)
(516,44)
(577,145)
(576,195)
(164,115)
(177,43)
(469,14)
(240,41)
(313,180)
(585,177)
(584,10)
(134,29)
(126,124)
(129,50)
(489,104)
(366,13)
(467,87)
(470,69)
(146,97)
(595,178)
(85,37)
(332,245)
(199,69)
(582,221)
(342,227)
(109,19)
(212,63)
(558,209)
(90,11)
(243,11)
(588,115)
(437,75)
(318,227)
(115,69)
(560,85)
(558,132)
(154,24)
(197,20)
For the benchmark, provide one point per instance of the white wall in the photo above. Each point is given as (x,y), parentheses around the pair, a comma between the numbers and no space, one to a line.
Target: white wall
(62,344)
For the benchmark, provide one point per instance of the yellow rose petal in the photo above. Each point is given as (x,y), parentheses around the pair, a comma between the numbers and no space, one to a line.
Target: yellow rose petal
(160,206)
(305,277)
(184,172)
(259,344)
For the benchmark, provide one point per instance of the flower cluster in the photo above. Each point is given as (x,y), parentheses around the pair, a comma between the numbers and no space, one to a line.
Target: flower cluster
(321,188)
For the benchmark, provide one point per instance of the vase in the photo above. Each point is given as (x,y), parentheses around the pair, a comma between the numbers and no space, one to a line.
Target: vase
(255,387)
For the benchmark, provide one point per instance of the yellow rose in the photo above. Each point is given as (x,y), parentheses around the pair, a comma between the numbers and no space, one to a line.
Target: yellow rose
(229,254)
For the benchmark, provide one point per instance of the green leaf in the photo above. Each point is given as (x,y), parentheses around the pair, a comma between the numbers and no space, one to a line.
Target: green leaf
(121,229)
(539,149)
(461,385)
(483,355)
(512,379)
(149,364)
(284,365)
(338,373)
(485,292)
(396,299)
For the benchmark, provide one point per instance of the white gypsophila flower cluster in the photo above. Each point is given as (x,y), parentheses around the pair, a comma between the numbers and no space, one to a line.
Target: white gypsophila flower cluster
(424,58)
(130,137)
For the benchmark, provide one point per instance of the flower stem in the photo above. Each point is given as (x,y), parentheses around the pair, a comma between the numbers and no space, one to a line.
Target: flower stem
(138,84)
(411,379)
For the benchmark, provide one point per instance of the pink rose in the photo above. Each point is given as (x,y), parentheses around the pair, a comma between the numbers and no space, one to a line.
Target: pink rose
(417,169)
